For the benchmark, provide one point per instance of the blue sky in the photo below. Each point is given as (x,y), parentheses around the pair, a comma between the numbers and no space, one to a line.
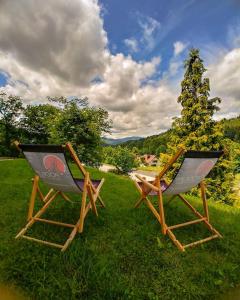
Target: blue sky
(196,23)
(125,56)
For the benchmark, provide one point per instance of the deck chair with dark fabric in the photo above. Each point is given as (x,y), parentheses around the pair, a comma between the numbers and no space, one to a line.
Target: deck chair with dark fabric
(50,165)
(195,167)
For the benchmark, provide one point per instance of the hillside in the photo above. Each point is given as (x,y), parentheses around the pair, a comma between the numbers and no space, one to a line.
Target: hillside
(109,141)
(156,144)
(232,128)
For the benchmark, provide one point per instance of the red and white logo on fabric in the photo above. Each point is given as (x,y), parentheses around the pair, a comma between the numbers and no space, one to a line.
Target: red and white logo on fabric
(204,167)
(53,163)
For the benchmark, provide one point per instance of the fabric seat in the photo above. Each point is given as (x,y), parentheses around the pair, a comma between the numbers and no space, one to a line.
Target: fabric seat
(80,183)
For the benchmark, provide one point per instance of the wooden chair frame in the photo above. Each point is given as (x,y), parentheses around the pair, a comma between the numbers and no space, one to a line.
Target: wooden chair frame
(159,213)
(89,191)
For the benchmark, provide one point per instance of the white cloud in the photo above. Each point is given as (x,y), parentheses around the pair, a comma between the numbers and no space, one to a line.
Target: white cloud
(59,48)
(149,27)
(136,109)
(148,32)
(56,38)
(132,44)
(224,77)
(179,47)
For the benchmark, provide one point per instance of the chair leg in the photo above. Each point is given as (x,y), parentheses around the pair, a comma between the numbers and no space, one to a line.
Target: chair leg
(82,213)
(48,195)
(171,199)
(65,197)
(161,211)
(33,197)
(203,194)
(153,209)
(160,206)
(40,194)
(92,200)
(83,206)
(139,201)
(101,201)
(71,237)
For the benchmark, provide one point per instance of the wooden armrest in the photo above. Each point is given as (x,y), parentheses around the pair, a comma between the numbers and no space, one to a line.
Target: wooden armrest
(151,186)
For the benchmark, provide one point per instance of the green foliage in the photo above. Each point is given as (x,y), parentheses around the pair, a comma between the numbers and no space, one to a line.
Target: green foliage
(37,123)
(61,121)
(83,126)
(232,128)
(10,109)
(195,129)
(155,144)
(235,155)
(121,254)
(120,157)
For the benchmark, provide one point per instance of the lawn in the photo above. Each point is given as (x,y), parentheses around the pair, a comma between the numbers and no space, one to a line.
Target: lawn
(121,254)
(150,168)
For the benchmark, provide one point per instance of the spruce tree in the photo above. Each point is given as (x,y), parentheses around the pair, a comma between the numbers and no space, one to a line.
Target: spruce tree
(196,129)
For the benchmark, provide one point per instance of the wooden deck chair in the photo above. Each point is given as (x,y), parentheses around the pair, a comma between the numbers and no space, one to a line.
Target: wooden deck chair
(50,165)
(195,167)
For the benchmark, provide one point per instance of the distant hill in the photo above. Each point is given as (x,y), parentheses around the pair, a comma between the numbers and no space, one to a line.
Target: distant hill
(232,128)
(109,141)
(154,144)
(157,144)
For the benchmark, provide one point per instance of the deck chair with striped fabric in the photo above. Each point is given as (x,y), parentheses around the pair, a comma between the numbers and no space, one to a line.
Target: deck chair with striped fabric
(50,165)
(195,167)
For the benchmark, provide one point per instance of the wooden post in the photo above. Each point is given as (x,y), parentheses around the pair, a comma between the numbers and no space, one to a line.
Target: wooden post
(33,197)
(84,199)
(171,162)
(48,195)
(78,162)
(153,209)
(203,194)
(101,201)
(40,194)
(92,200)
(75,158)
(160,205)
(65,197)
(137,204)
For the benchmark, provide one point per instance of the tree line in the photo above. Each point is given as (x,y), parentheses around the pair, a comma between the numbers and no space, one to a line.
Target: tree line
(157,144)
(58,121)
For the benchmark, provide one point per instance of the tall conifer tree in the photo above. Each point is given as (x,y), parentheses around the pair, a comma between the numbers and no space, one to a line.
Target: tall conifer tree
(196,129)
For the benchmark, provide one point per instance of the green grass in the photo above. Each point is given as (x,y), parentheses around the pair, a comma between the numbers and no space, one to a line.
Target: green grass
(236,190)
(121,254)
(150,168)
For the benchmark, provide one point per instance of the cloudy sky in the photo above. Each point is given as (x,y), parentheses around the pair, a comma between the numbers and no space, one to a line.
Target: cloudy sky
(126,56)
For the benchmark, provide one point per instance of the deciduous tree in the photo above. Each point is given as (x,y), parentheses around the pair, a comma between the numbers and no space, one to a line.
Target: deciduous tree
(10,109)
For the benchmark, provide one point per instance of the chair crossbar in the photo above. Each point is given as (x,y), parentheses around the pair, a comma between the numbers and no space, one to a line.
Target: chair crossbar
(215,236)
(42,241)
(186,223)
(54,222)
